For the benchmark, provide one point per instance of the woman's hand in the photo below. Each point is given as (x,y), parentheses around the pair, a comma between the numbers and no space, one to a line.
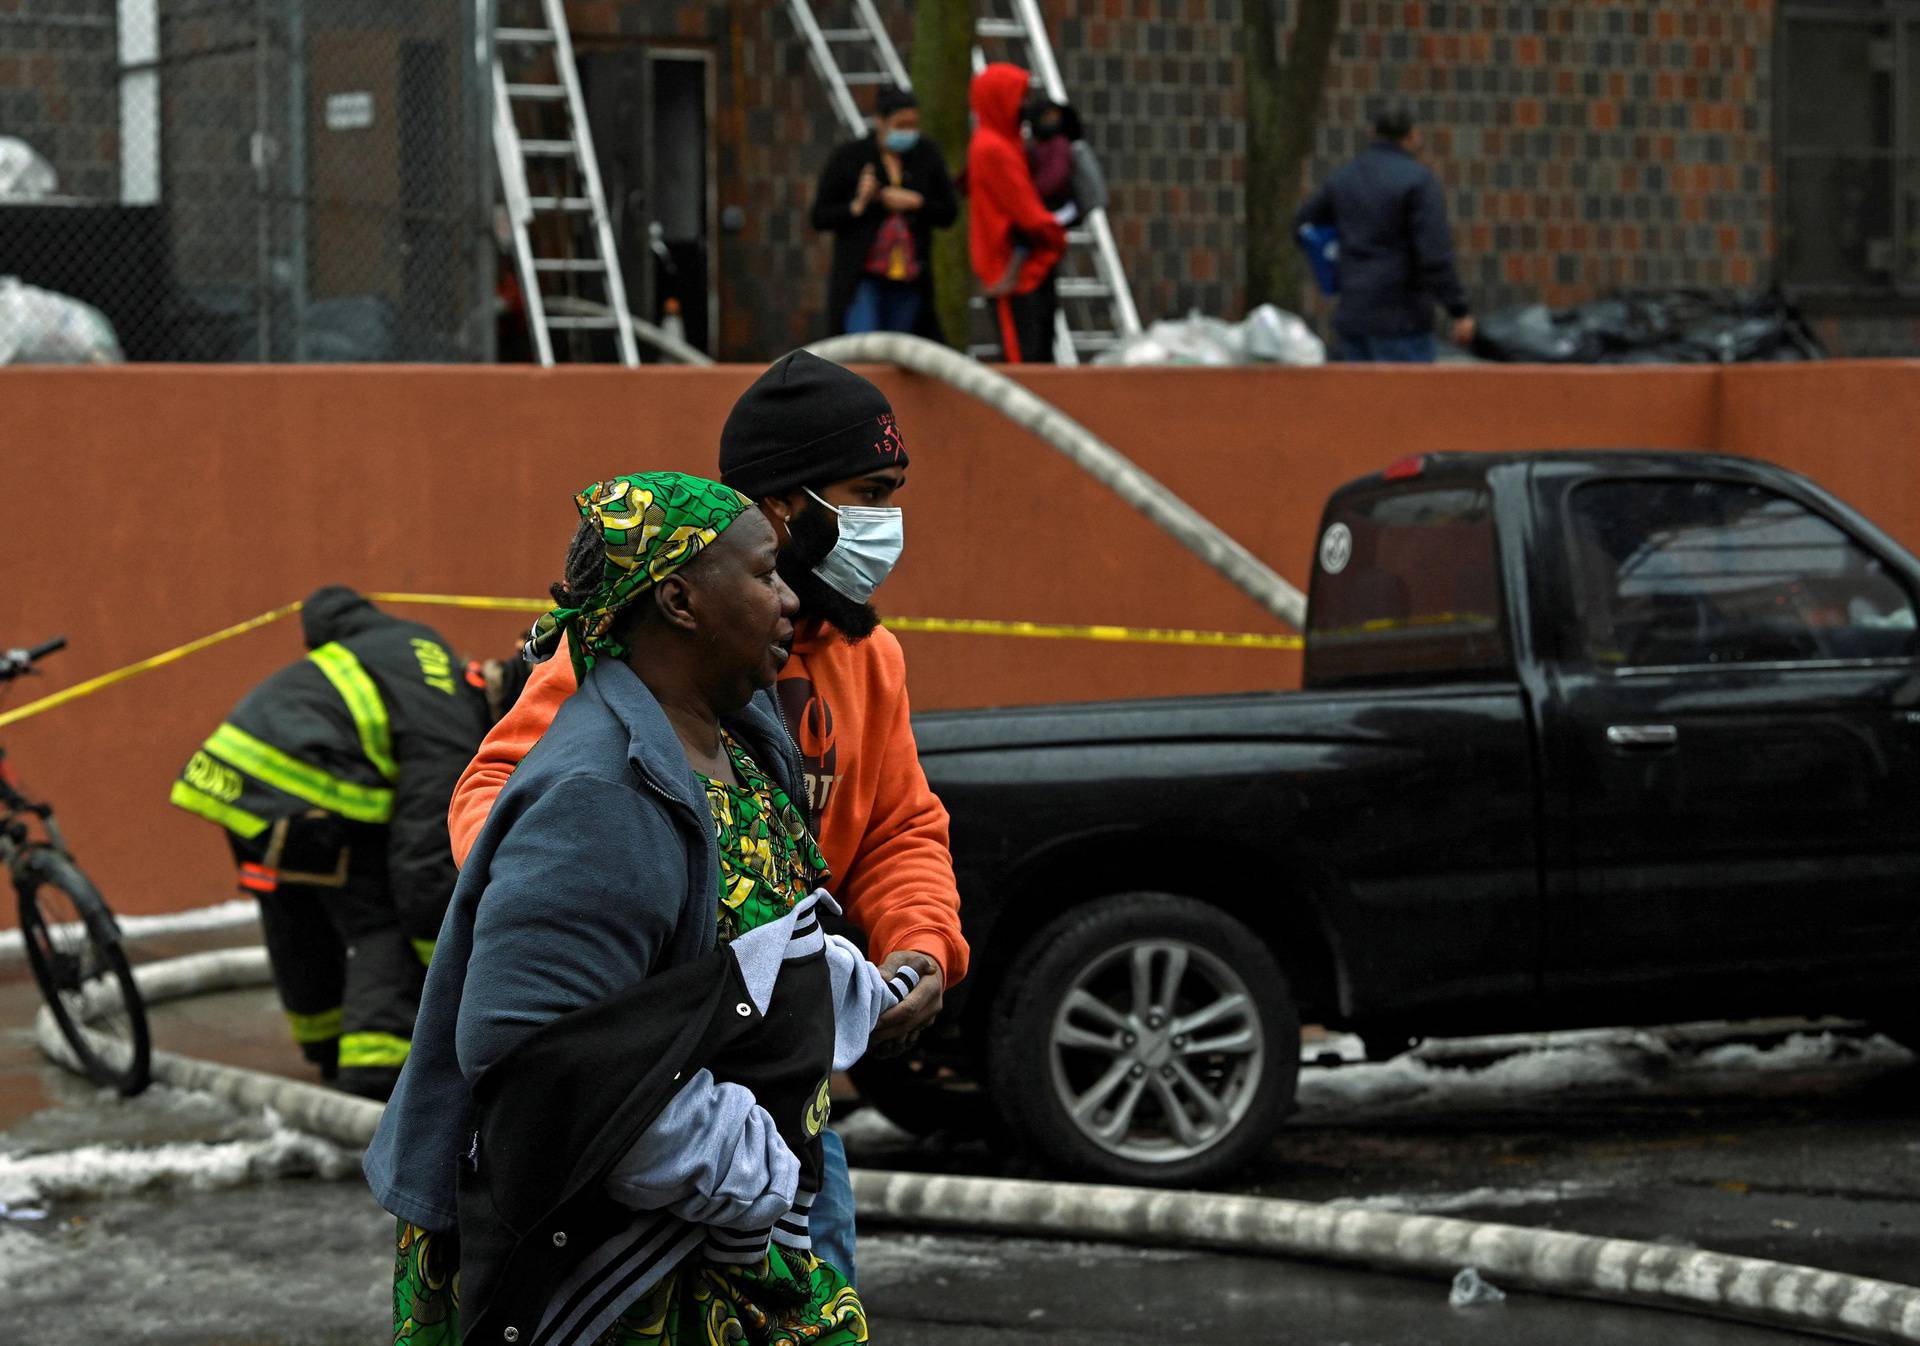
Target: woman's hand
(901,199)
(869,185)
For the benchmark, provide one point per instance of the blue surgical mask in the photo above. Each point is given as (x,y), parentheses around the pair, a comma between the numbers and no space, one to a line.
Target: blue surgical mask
(871,538)
(902,141)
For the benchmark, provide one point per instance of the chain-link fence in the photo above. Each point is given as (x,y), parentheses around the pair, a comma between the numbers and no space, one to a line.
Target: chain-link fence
(245,180)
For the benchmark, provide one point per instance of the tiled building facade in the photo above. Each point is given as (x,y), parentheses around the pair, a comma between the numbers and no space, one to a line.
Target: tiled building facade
(1585,144)
(58,75)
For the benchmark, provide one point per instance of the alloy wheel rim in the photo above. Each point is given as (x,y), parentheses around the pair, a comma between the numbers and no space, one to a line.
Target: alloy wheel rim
(1155,1051)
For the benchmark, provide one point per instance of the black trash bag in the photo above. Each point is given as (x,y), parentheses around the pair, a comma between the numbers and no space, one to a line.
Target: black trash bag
(1651,327)
(1536,334)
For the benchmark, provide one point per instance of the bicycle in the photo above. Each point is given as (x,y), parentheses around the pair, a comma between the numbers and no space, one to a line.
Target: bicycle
(72,940)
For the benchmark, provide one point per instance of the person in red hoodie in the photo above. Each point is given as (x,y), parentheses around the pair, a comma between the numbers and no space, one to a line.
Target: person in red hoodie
(1013,238)
(817,447)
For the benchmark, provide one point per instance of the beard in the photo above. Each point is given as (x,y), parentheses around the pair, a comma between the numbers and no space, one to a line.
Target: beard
(810,536)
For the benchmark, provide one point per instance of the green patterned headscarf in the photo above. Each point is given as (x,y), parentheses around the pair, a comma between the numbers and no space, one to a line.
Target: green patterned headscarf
(651,524)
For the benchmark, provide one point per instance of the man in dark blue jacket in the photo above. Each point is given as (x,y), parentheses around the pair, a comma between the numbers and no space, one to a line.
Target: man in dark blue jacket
(1396,250)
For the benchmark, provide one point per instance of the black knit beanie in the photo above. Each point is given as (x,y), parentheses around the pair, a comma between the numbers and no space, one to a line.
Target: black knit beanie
(806,422)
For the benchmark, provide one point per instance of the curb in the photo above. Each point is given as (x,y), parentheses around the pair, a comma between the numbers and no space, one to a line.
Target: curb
(1746,1289)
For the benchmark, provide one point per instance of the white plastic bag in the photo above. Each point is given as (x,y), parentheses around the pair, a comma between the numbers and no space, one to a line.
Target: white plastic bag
(39,327)
(24,175)
(1273,335)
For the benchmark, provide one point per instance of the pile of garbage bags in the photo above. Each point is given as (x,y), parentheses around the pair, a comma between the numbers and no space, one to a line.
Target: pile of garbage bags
(39,327)
(1650,327)
(1268,335)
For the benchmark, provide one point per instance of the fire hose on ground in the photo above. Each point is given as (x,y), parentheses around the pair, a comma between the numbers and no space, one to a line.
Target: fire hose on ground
(1746,1289)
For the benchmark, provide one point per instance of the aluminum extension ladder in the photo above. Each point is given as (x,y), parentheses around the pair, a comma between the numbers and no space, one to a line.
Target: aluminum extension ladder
(858,53)
(571,187)
(1091,283)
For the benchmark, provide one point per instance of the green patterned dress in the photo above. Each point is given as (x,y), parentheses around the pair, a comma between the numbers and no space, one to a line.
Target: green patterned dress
(768,862)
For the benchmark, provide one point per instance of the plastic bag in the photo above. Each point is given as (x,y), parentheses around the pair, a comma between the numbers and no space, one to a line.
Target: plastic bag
(1275,336)
(39,327)
(1268,335)
(1471,1291)
(24,175)
(1321,244)
(1651,326)
(1536,334)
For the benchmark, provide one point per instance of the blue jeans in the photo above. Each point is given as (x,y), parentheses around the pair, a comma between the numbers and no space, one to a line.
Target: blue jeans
(830,1223)
(883,306)
(1401,350)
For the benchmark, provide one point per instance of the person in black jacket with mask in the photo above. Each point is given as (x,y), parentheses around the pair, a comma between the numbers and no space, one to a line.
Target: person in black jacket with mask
(1396,249)
(331,779)
(881,197)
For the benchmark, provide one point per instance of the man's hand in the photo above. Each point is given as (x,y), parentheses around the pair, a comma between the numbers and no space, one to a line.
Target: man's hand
(902,1025)
(1463,330)
(901,199)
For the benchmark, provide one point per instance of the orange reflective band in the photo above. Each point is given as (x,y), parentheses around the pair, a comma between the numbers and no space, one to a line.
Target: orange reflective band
(258,878)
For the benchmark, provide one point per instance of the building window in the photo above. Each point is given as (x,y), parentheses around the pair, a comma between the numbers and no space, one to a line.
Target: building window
(1847,138)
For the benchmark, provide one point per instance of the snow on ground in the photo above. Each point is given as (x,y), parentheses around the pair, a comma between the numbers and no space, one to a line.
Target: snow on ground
(114,1170)
(220,916)
(1626,1061)
(1476,1198)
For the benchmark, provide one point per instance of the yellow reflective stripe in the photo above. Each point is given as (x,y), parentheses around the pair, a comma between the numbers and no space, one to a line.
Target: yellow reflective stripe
(423,950)
(361,803)
(372,1049)
(369,712)
(321,1027)
(237,821)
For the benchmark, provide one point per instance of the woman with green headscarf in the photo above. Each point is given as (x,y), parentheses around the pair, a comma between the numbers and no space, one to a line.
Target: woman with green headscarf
(608,1128)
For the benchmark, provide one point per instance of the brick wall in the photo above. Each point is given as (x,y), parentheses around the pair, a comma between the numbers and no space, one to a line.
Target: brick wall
(59,73)
(1586,145)
(1158,86)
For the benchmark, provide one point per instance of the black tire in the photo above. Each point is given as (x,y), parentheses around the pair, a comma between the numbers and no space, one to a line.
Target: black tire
(1031,1075)
(73,943)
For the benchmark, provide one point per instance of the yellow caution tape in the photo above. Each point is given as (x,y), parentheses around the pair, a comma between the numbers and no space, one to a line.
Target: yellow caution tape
(467,601)
(968,626)
(1126,635)
(92,685)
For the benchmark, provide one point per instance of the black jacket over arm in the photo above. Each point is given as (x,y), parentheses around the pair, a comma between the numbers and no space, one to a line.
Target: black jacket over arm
(922,169)
(1396,248)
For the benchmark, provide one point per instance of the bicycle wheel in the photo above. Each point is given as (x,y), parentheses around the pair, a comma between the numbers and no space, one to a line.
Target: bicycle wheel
(73,945)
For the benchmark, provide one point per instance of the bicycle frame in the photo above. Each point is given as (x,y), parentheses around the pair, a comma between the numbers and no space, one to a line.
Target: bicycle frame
(16,840)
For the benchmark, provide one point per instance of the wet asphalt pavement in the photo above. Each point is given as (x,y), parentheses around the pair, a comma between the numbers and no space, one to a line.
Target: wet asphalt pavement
(172,1219)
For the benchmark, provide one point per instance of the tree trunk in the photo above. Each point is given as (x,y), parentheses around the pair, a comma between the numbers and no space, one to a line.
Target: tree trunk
(942,69)
(1283,112)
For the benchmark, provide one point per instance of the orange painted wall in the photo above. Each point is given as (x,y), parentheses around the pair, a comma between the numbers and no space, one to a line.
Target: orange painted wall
(144,506)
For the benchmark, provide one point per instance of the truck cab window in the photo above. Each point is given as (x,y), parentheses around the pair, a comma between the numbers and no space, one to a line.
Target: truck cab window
(1712,572)
(1406,588)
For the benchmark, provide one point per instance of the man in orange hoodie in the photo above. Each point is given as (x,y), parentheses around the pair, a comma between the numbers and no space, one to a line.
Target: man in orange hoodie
(1013,238)
(817,447)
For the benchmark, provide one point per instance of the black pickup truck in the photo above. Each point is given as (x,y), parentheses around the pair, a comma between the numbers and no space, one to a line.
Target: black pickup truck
(1586,739)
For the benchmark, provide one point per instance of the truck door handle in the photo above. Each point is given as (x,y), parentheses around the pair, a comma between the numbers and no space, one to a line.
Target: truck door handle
(1643,736)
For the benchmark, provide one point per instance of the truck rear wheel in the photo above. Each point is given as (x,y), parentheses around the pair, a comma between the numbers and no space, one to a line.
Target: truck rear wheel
(1145,1038)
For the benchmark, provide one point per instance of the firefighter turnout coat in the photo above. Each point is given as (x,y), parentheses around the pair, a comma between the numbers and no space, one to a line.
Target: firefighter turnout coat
(374,726)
